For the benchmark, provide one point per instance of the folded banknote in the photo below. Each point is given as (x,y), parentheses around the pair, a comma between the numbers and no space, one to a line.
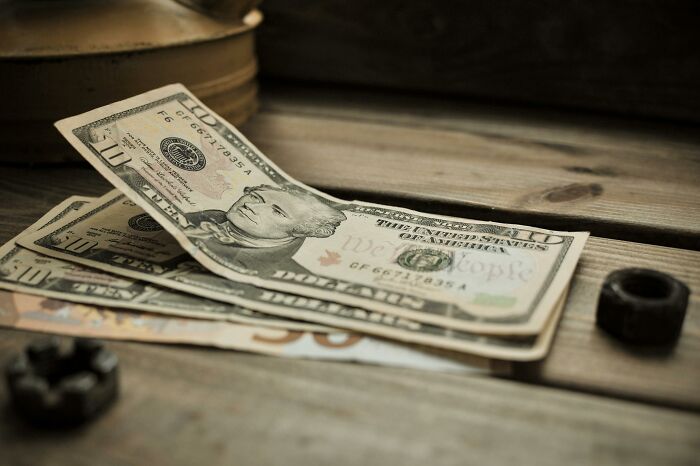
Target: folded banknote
(240,216)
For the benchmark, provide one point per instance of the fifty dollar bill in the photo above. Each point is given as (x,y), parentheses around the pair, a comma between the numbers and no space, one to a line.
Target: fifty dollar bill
(48,315)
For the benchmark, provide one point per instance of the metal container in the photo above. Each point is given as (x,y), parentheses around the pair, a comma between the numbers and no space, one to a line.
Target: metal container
(63,57)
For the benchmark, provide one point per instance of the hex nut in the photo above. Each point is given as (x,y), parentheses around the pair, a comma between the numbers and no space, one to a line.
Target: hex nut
(642,306)
(56,389)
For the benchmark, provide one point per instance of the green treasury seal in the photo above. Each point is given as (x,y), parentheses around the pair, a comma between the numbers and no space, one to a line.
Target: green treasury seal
(424,260)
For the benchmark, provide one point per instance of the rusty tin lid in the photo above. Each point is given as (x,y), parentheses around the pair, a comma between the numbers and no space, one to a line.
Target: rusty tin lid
(34,29)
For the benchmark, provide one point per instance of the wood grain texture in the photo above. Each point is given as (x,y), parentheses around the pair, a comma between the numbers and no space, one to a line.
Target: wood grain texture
(586,358)
(615,178)
(30,192)
(630,56)
(197,406)
(582,357)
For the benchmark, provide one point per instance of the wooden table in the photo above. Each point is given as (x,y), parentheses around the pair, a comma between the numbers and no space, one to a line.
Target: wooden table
(634,185)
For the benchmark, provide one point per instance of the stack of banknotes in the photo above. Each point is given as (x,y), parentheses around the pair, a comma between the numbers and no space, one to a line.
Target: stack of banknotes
(206,241)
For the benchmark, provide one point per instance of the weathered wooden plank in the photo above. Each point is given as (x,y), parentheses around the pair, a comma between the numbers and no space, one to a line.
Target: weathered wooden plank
(632,56)
(633,181)
(586,358)
(629,181)
(27,192)
(197,406)
(582,357)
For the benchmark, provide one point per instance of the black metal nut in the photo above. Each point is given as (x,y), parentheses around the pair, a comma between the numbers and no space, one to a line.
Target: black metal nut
(642,306)
(54,388)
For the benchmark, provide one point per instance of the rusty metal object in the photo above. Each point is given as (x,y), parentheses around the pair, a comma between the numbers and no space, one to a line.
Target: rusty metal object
(55,388)
(65,57)
(642,306)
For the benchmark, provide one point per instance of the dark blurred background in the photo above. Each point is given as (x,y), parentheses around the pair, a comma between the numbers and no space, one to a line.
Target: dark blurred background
(632,57)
